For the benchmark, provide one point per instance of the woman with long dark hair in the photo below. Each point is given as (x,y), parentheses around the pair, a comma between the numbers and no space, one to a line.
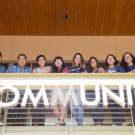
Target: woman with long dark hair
(94,66)
(59,110)
(97,113)
(59,65)
(112,64)
(78,66)
(113,67)
(128,62)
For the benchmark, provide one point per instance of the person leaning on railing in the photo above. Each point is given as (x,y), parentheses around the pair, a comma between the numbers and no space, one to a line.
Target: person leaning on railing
(16,115)
(38,114)
(116,110)
(97,113)
(20,67)
(78,66)
(128,63)
(59,110)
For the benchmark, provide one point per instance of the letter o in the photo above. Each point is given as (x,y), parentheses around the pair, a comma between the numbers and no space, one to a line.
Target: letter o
(12,103)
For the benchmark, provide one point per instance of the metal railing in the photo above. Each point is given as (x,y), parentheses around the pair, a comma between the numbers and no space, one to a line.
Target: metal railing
(66,115)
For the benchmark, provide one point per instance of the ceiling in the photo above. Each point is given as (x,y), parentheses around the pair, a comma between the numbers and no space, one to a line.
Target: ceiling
(67,17)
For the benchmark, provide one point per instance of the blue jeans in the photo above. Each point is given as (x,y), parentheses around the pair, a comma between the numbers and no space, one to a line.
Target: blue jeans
(133,108)
(79,115)
(38,114)
(117,111)
(96,113)
(17,116)
(79,110)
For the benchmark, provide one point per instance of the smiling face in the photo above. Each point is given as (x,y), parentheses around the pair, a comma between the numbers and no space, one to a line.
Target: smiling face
(110,60)
(93,63)
(58,63)
(128,58)
(22,61)
(77,60)
(41,61)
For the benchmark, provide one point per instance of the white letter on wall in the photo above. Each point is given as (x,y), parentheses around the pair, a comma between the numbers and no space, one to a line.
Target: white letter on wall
(90,103)
(129,95)
(58,95)
(12,103)
(35,100)
(118,99)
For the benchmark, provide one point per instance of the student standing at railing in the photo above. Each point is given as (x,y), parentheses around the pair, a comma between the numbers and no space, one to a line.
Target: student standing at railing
(117,111)
(59,65)
(42,68)
(18,116)
(94,66)
(112,65)
(78,66)
(128,63)
(20,67)
(38,114)
(97,113)
(59,110)
(2,68)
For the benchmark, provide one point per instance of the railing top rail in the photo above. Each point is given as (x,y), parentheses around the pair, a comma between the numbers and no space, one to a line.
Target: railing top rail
(69,75)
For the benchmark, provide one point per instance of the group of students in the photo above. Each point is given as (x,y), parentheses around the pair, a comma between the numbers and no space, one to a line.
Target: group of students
(78,66)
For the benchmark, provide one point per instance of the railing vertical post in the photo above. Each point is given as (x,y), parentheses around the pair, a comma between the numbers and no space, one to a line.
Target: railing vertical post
(28,115)
(5,116)
(66,122)
(132,122)
(71,106)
